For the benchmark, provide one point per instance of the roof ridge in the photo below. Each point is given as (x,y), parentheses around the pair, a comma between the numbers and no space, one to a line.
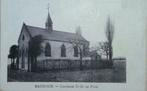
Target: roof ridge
(53,30)
(35,27)
(64,32)
(61,33)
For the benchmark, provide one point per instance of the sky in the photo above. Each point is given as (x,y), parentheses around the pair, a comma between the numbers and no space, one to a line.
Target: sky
(128,16)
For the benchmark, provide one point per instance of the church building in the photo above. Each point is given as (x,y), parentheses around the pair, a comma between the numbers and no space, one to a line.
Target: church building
(56,44)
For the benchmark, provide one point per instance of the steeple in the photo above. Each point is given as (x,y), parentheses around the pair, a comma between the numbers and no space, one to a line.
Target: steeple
(49,23)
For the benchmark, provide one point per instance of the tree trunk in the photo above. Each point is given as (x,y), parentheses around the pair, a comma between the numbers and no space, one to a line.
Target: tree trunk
(35,63)
(29,63)
(110,55)
(32,63)
(107,55)
(17,63)
(11,63)
(81,59)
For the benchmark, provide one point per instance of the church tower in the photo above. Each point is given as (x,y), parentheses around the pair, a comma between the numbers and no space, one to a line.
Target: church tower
(49,23)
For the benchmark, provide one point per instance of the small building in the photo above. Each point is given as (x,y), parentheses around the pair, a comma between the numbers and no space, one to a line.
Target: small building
(94,55)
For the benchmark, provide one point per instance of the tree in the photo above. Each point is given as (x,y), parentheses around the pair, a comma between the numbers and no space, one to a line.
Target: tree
(10,57)
(13,54)
(103,49)
(109,36)
(35,50)
(80,45)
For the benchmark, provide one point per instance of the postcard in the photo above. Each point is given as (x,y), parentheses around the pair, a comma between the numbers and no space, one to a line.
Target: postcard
(82,45)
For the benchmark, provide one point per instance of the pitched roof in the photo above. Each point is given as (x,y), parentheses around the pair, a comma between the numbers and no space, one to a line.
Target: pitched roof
(54,35)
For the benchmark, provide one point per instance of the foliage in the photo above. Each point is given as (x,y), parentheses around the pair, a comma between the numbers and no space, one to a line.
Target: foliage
(35,50)
(109,36)
(109,31)
(13,54)
(35,46)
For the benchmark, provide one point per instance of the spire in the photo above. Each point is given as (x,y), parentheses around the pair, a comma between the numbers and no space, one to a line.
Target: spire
(49,23)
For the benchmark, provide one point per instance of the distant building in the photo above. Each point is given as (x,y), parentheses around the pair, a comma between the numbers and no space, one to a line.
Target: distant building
(94,55)
(56,44)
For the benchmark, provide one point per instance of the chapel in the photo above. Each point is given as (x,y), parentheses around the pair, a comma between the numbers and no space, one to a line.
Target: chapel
(56,44)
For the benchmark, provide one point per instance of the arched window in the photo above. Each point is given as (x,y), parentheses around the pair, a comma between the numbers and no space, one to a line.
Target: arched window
(23,37)
(76,51)
(48,50)
(84,50)
(63,51)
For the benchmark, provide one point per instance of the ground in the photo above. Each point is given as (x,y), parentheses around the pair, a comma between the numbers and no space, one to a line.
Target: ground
(115,74)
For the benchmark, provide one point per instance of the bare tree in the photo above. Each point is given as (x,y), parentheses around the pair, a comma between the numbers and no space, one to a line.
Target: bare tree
(80,44)
(109,36)
(103,49)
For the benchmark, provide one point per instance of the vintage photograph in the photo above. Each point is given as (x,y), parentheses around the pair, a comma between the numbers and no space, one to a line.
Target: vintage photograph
(66,41)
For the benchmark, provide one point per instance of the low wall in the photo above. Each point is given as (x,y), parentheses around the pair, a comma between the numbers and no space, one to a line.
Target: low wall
(66,64)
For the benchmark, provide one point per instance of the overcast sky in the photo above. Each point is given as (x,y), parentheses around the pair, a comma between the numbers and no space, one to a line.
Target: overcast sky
(128,16)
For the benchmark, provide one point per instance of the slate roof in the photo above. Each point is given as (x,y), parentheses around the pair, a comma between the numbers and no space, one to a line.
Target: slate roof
(54,35)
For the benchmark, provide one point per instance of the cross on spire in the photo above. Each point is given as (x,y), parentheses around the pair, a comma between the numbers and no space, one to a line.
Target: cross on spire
(48,6)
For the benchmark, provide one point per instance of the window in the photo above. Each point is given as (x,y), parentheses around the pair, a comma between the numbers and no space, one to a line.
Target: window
(48,50)
(63,51)
(23,38)
(75,51)
(84,50)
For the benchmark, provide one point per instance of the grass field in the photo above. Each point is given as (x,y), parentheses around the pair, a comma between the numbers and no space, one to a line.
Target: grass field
(116,74)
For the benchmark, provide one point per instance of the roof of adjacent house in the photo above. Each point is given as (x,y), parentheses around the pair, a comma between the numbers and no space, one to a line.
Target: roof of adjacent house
(53,35)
